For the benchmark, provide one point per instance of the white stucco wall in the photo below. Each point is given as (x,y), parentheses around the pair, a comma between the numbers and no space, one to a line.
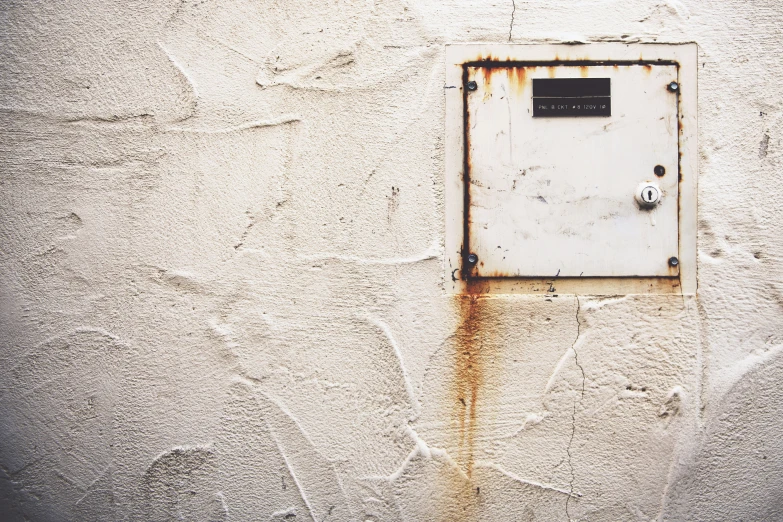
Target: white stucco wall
(221,245)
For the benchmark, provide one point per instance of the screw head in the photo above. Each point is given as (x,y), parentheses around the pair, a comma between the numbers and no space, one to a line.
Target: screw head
(472,86)
(472,259)
(673,87)
(659,170)
(673,261)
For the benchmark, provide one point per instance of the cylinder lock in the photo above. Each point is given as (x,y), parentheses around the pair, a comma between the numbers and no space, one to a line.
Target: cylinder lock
(648,194)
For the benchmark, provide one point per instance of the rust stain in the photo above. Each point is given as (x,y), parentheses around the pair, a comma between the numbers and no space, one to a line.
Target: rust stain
(487,74)
(552,71)
(469,371)
(647,68)
(679,173)
(679,165)
(488,58)
(471,395)
(516,78)
(460,497)
(467,166)
(584,71)
(495,274)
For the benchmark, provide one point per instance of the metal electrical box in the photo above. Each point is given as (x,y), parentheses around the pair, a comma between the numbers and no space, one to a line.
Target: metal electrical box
(574,164)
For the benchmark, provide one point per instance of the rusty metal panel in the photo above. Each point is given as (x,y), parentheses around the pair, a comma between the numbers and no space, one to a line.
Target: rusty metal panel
(557,195)
(599,198)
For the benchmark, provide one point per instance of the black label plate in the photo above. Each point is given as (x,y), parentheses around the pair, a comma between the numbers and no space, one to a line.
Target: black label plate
(572,97)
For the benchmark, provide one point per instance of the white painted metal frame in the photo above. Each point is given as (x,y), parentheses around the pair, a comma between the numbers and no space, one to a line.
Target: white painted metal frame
(685,55)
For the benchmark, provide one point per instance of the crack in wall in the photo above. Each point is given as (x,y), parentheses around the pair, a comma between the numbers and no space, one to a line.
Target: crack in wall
(513,12)
(576,403)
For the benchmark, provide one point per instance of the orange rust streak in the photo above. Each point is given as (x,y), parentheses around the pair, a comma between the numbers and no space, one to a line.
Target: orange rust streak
(470,387)
(467,379)
(469,372)
(488,72)
(516,79)
(584,71)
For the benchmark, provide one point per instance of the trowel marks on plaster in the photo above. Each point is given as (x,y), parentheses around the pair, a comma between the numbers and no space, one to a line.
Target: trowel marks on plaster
(181,483)
(277,471)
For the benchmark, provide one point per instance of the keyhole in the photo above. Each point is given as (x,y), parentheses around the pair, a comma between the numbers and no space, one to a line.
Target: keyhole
(648,194)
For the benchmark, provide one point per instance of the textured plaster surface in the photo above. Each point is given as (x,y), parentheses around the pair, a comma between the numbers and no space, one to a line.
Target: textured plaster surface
(221,278)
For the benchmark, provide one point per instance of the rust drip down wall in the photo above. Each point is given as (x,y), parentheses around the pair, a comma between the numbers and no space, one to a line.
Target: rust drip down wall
(474,351)
(471,398)
(470,354)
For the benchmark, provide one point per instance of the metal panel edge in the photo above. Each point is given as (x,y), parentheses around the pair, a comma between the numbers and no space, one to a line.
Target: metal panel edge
(684,53)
